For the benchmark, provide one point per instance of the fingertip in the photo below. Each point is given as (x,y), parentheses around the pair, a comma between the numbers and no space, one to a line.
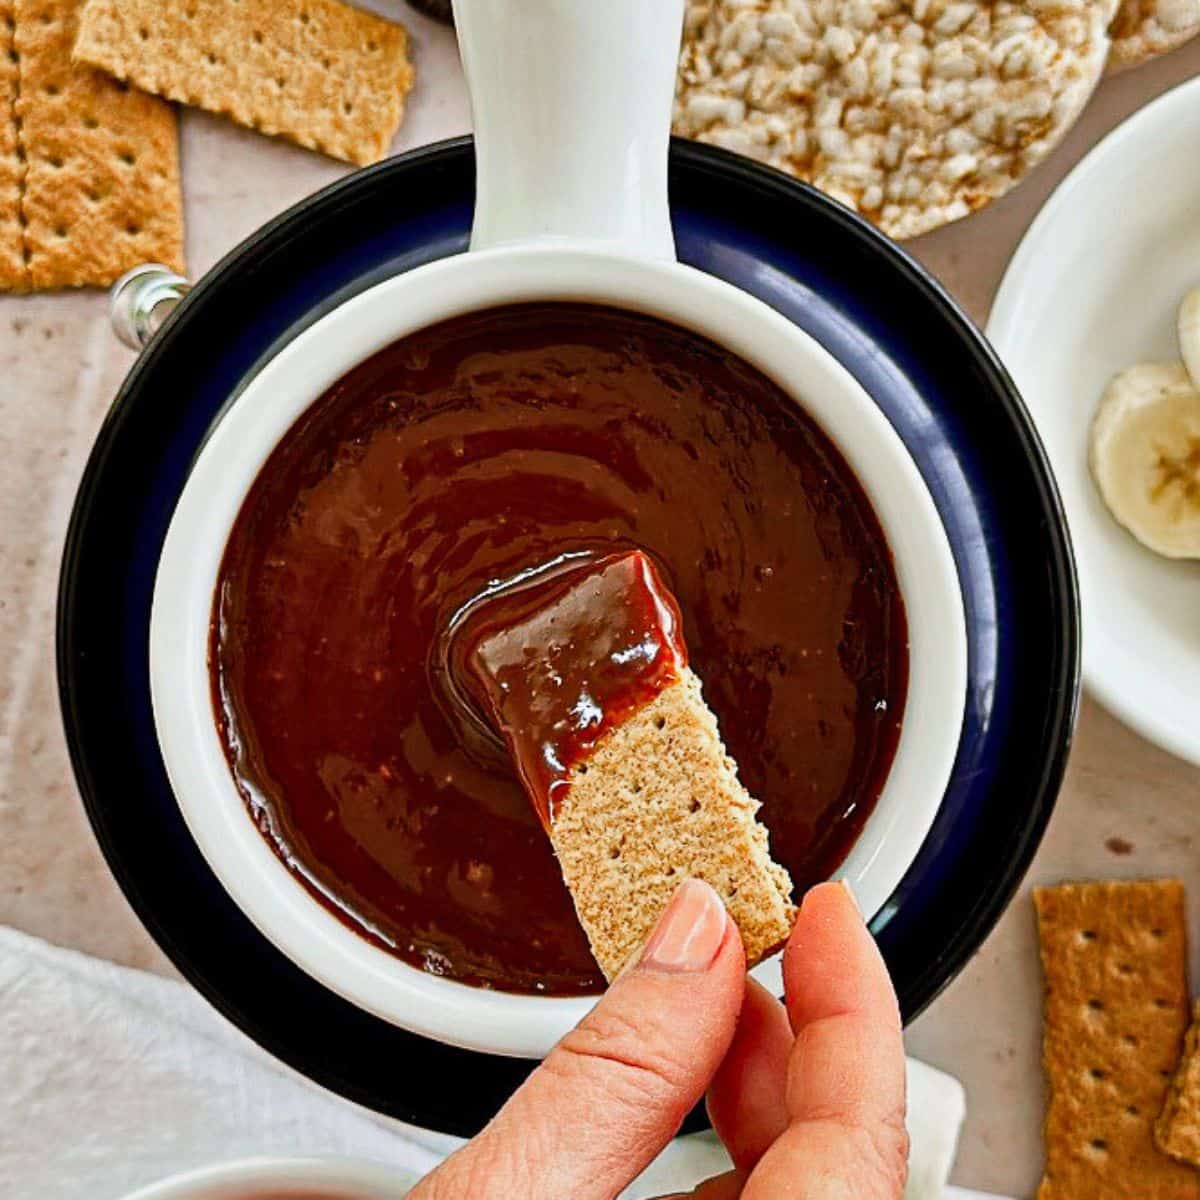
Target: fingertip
(690,932)
(831,963)
(733,944)
(832,900)
(694,933)
(731,957)
(825,918)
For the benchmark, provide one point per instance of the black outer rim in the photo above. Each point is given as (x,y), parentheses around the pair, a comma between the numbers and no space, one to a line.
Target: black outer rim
(975,923)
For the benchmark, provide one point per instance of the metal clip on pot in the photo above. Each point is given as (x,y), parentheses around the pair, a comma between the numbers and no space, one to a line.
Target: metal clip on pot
(142,299)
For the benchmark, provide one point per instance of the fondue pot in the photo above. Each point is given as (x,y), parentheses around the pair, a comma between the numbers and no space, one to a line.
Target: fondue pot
(571,204)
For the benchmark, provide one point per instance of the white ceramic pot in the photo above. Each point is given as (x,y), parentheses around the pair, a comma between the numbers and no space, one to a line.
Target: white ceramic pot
(572,105)
(276,1178)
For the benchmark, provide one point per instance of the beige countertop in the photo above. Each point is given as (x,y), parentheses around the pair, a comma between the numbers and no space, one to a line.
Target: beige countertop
(60,367)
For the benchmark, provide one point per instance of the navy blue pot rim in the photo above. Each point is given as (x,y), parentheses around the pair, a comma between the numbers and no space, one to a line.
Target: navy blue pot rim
(967,872)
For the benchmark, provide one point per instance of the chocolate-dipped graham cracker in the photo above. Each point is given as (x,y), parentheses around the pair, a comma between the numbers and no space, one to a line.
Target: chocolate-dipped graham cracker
(583,670)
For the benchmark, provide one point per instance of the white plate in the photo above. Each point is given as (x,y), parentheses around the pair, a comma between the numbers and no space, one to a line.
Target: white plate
(1092,289)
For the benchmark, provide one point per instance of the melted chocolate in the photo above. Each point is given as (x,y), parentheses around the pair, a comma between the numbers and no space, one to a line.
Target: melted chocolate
(459,458)
(557,660)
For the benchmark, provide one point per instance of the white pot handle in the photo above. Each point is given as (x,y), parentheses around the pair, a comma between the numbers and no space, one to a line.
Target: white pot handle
(571,102)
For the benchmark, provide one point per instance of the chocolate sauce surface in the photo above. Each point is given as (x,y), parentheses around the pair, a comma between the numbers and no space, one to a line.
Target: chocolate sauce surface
(459,458)
(555,659)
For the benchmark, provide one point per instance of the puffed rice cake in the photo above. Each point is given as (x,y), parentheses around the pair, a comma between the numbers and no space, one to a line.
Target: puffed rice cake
(1144,29)
(915,114)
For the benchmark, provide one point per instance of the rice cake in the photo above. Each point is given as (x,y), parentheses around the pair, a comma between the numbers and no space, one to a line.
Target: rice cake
(1144,29)
(912,114)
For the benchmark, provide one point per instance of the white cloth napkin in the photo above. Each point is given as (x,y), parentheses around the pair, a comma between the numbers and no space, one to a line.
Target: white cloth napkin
(112,1078)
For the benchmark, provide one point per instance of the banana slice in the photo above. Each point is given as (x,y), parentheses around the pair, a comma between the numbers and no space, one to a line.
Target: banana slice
(1189,334)
(1145,456)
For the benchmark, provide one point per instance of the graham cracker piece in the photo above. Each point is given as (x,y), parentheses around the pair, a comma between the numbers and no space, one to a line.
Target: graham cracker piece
(100,189)
(1144,29)
(1177,1130)
(658,801)
(13,274)
(1115,963)
(319,72)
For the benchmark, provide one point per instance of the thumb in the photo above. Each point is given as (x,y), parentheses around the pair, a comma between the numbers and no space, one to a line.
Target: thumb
(614,1091)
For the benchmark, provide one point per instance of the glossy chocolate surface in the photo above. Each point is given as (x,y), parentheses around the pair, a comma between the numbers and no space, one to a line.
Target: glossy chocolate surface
(556,659)
(461,457)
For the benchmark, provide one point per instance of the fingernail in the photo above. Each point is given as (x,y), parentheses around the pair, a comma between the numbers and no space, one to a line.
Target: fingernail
(689,932)
(853,898)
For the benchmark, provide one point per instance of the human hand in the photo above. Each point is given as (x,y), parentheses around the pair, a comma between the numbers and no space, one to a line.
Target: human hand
(809,1100)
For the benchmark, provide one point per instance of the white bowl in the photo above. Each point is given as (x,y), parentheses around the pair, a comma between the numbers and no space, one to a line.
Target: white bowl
(571,205)
(298,1178)
(212,806)
(1094,288)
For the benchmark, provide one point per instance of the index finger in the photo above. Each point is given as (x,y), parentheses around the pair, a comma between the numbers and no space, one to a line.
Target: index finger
(848,1059)
(845,1080)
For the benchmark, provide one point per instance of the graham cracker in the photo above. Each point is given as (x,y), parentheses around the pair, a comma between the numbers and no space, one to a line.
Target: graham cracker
(1115,963)
(1177,1130)
(659,801)
(318,72)
(98,187)
(13,273)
